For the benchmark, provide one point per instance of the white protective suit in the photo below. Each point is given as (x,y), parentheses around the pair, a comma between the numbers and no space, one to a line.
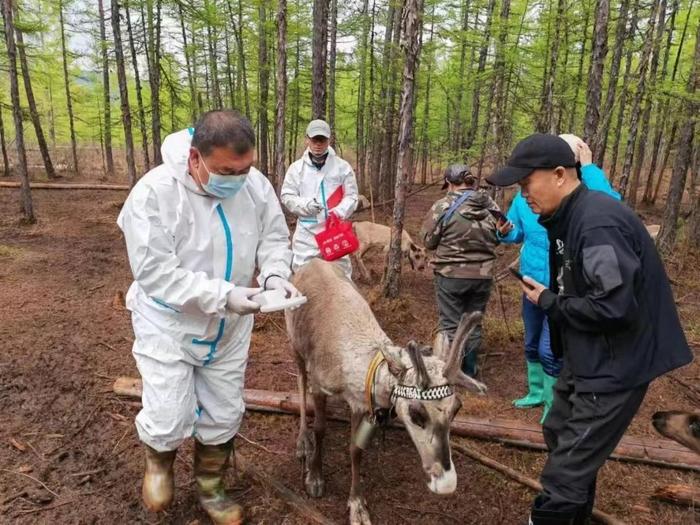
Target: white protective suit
(187,250)
(304,182)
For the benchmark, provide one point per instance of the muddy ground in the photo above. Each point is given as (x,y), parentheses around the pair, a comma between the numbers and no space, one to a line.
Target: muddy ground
(69,451)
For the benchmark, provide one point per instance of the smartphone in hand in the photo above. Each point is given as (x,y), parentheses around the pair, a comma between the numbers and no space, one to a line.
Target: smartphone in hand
(519,277)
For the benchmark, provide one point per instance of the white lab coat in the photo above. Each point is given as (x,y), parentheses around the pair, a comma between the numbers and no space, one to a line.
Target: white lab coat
(187,250)
(304,182)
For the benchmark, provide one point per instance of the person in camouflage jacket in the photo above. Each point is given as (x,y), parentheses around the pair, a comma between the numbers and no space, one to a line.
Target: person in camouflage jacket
(462,232)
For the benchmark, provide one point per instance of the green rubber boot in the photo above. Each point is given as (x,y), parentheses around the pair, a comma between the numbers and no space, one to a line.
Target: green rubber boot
(535,381)
(210,465)
(547,394)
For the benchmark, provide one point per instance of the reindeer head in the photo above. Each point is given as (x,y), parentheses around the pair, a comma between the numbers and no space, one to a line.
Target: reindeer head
(426,402)
(416,257)
(683,427)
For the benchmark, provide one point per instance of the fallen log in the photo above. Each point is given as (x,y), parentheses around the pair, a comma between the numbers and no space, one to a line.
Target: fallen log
(601,516)
(291,498)
(658,452)
(679,495)
(67,186)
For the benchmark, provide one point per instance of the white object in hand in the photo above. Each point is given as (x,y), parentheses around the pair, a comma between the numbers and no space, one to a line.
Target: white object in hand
(274,300)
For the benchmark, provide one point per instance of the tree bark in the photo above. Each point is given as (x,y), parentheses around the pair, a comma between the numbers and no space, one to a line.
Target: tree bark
(646,112)
(636,104)
(69,97)
(318,57)
(187,52)
(123,94)
(579,73)
(476,95)
(281,108)
(667,234)
(411,22)
(25,191)
(154,24)
(3,147)
(361,98)
(107,101)
(212,44)
(595,71)
(31,102)
(426,107)
(458,125)
(545,121)
(263,83)
(601,137)
(331,70)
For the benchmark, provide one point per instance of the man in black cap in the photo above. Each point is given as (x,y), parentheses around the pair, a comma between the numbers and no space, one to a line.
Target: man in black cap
(462,231)
(612,317)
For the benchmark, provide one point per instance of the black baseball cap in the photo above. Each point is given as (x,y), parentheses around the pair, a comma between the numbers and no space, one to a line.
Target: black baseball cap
(457,174)
(539,150)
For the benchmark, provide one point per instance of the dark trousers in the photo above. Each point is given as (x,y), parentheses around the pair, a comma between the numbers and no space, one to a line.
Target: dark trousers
(454,298)
(581,431)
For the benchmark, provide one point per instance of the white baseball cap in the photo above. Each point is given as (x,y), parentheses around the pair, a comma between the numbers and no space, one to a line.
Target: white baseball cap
(318,128)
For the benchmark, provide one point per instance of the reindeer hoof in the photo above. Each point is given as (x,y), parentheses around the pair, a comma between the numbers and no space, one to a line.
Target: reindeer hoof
(359,515)
(305,445)
(314,485)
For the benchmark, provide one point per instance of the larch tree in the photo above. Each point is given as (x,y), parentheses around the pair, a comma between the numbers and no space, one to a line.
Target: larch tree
(319,55)
(107,99)
(281,108)
(595,71)
(69,96)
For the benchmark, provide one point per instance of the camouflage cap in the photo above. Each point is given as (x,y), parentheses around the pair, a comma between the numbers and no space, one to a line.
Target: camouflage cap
(457,174)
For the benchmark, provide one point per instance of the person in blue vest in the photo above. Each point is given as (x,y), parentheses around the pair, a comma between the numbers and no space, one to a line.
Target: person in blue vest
(522,227)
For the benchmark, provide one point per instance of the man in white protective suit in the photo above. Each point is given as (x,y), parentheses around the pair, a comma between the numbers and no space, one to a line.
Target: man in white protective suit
(316,185)
(196,227)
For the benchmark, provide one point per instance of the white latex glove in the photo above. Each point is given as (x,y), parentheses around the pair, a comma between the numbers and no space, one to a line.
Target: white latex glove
(313,207)
(238,300)
(277,283)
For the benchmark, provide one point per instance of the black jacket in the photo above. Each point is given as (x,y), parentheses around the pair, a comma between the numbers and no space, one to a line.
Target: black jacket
(610,305)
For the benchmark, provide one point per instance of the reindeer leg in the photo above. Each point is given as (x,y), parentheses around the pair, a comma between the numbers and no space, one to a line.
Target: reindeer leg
(362,269)
(314,478)
(304,444)
(359,515)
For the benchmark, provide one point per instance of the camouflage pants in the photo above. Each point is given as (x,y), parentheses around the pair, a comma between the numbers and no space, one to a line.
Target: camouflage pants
(455,297)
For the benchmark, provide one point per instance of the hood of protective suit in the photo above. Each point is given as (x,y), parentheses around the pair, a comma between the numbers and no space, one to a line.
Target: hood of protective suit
(175,152)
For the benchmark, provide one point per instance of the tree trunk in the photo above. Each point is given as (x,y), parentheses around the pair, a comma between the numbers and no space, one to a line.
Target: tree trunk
(231,84)
(139,96)
(3,146)
(25,191)
(694,221)
(646,112)
(625,91)
(320,45)
(123,94)
(212,44)
(499,89)
(154,23)
(426,107)
(411,22)
(263,83)
(579,74)
(662,119)
(331,70)
(667,234)
(69,97)
(595,71)
(636,104)
(545,122)
(601,138)
(31,102)
(361,97)
(458,125)
(471,134)
(109,157)
(297,99)
(187,52)
(281,108)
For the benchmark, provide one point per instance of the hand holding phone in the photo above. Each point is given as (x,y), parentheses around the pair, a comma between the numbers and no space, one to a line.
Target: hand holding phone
(519,276)
(498,215)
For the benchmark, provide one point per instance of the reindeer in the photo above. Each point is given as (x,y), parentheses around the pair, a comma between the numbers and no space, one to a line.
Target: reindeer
(341,350)
(683,427)
(371,234)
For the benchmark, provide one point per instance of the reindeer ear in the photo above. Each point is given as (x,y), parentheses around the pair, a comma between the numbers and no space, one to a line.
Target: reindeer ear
(394,358)
(416,357)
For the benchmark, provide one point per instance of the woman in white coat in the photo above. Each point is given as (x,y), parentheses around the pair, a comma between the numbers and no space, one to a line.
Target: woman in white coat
(196,227)
(317,184)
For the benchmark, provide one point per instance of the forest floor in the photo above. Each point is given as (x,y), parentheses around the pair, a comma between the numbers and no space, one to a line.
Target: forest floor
(65,339)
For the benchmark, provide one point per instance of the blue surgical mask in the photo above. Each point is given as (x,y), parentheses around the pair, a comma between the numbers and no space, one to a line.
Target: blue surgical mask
(222,186)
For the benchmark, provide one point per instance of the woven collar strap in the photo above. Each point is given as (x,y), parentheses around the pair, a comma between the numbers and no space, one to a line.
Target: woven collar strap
(377,360)
(429,394)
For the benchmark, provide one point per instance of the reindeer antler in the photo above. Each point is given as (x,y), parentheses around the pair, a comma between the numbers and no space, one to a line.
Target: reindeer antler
(453,371)
(414,353)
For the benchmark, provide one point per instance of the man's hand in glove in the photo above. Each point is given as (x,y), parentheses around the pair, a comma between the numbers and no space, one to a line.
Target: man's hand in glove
(313,207)
(238,300)
(275,282)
